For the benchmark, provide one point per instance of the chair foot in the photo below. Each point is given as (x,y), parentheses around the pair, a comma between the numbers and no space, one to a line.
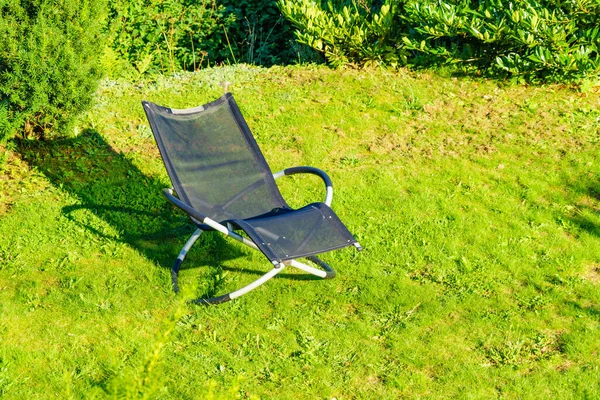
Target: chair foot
(213,301)
(329,272)
(174,273)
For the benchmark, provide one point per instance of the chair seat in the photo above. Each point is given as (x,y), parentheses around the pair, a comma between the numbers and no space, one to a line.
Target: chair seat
(288,234)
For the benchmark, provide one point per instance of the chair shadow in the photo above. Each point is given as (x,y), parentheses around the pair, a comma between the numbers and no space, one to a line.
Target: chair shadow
(115,199)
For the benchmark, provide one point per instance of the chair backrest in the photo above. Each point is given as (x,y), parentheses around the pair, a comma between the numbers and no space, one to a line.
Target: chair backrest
(213,161)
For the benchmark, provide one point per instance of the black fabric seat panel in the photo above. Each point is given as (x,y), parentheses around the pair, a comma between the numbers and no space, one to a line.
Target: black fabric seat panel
(310,230)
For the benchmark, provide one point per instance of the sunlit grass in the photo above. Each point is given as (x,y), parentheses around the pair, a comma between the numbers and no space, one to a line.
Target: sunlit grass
(478,205)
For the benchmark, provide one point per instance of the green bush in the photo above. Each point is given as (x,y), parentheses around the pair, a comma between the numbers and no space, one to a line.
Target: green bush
(349,32)
(164,35)
(48,63)
(537,39)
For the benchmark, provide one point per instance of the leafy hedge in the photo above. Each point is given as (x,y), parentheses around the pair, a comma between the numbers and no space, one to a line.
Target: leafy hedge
(537,39)
(48,63)
(172,35)
(164,35)
(348,32)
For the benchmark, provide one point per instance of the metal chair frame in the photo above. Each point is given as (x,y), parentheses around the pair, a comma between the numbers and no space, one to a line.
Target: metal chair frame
(326,272)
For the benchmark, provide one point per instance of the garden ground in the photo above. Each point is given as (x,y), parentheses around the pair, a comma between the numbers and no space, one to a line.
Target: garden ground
(477,203)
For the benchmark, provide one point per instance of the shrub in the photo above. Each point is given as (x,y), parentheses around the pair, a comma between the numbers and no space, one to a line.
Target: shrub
(349,32)
(540,40)
(172,35)
(48,63)
(166,35)
(537,39)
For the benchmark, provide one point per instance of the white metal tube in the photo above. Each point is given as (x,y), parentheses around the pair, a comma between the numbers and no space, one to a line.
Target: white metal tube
(309,269)
(188,245)
(329,196)
(244,240)
(213,224)
(218,227)
(257,282)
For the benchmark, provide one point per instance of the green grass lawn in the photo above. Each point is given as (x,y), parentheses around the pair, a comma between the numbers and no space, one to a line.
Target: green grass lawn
(477,203)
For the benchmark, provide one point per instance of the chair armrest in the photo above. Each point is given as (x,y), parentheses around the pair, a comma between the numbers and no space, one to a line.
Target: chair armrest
(168,193)
(313,171)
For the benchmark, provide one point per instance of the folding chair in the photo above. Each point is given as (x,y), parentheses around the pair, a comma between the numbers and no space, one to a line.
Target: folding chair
(223,183)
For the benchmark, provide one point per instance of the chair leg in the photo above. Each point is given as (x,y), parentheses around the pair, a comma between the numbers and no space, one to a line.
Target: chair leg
(329,272)
(226,297)
(186,247)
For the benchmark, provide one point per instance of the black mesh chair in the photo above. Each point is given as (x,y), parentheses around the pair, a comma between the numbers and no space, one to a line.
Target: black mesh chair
(223,183)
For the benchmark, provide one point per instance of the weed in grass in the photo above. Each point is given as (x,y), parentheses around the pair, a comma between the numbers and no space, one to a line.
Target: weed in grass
(515,352)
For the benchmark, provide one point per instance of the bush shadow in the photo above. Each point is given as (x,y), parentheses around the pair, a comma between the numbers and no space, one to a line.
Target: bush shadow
(593,310)
(587,215)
